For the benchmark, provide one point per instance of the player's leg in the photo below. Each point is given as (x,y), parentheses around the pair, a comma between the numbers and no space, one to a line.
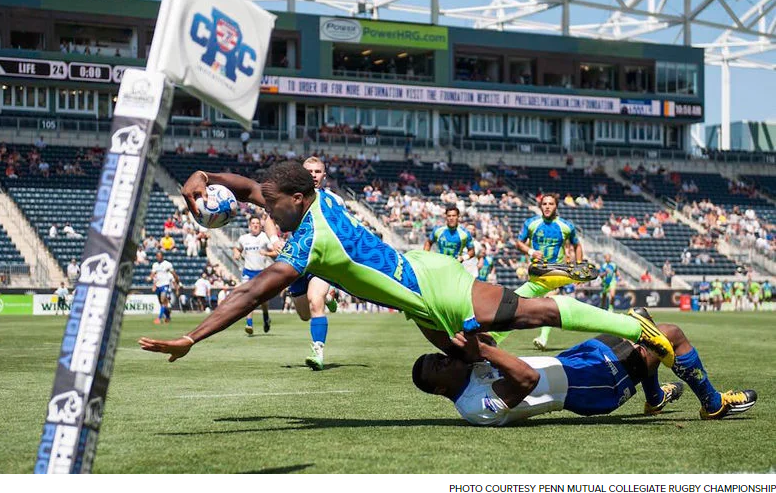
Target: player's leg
(247,275)
(265,315)
(688,367)
(498,309)
(160,297)
(611,294)
(528,289)
(317,290)
(167,297)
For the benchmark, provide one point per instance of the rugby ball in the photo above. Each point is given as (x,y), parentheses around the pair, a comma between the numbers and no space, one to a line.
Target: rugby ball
(218,208)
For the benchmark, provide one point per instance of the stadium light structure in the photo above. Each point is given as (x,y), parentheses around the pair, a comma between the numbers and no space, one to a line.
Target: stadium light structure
(733,33)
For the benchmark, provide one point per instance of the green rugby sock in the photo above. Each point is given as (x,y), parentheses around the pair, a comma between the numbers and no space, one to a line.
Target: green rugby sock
(544,335)
(531,290)
(581,317)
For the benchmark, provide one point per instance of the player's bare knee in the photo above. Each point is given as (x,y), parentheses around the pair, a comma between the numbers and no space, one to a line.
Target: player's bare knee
(317,307)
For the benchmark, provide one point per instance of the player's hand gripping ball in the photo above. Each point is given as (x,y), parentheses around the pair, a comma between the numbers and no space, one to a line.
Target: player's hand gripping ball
(219,208)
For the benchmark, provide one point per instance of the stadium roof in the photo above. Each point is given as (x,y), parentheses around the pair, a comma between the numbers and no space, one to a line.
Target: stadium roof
(739,33)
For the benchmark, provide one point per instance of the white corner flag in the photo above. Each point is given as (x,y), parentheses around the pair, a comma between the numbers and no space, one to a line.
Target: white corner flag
(214,49)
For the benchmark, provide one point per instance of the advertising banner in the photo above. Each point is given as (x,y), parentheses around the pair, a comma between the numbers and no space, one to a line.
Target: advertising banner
(446,95)
(383,33)
(15,304)
(135,304)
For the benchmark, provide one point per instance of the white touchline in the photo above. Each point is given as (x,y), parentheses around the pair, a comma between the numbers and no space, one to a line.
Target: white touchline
(259,394)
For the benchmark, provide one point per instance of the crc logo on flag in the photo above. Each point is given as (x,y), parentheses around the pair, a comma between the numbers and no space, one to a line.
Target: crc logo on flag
(226,53)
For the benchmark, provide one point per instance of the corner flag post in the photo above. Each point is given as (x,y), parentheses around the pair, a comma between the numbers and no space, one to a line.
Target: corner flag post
(217,59)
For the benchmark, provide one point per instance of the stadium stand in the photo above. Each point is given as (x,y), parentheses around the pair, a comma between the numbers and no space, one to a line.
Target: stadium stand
(9,254)
(73,195)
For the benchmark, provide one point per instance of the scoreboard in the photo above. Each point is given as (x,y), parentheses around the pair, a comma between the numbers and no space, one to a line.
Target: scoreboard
(58,70)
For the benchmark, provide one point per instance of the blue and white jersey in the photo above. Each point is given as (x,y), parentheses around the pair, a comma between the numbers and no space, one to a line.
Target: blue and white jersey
(479,404)
(704,287)
(162,273)
(251,247)
(452,242)
(548,237)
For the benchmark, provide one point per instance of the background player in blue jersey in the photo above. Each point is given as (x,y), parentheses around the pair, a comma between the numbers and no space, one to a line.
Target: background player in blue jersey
(544,238)
(594,377)
(704,293)
(485,265)
(451,239)
(609,277)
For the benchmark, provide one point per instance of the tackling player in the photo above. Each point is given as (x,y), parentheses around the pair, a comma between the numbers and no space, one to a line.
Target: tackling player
(451,239)
(162,275)
(594,377)
(433,290)
(310,293)
(609,276)
(544,238)
(255,248)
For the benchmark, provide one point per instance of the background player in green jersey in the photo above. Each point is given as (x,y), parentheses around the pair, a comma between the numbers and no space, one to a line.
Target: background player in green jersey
(433,290)
(755,294)
(609,277)
(717,295)
(451,239)
(739,288)
(544,239)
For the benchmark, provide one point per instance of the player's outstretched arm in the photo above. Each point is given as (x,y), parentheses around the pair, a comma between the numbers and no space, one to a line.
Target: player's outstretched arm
(243,300)
(519,378)
(244,189)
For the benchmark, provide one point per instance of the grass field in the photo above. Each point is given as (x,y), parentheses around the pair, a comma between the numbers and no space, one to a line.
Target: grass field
(248,405)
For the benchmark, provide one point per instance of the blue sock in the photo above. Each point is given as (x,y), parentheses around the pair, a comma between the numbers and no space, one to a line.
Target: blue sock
(167,312)
(319,326)
(161,312)
(689,368)
(652,390)
(249,321)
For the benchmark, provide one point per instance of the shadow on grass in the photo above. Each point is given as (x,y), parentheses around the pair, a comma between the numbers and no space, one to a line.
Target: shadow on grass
(280,470)
(308,423)
(300,423)
(331,366)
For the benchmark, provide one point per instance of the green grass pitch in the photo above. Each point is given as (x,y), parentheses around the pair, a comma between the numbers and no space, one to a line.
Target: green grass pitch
(239,404)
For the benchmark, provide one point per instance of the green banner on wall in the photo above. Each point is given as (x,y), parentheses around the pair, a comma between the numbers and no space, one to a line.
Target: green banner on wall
(383,33)
(15,304)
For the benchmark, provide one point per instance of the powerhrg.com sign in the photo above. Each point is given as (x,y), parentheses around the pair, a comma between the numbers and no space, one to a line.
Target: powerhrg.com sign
(383,33)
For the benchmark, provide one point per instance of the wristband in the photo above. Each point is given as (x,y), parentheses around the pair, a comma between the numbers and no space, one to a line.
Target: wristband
(190,339)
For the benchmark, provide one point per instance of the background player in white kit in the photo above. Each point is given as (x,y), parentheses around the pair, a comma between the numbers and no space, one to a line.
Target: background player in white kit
(61,293)
(256,249)
(162,275)
(310,293)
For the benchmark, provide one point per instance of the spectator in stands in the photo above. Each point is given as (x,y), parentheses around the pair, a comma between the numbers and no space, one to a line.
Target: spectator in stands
(73,271)
(52,231)
(167,243)
(375,158)
(569,163)
(569,200)
(582,201)
(10,172)
(668,272)
(192,244)
(141,258)
(658,232)
(646,280)
(189,148)
(686,256)
(704,258)
(554,174)
(118,53)
(150,244)
(69,232)
(211,151)
(40,143)
(178,148)
(290,153)
(245,138)
(169,225)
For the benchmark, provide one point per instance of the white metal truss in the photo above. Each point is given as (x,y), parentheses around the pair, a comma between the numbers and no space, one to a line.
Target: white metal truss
(733,33)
